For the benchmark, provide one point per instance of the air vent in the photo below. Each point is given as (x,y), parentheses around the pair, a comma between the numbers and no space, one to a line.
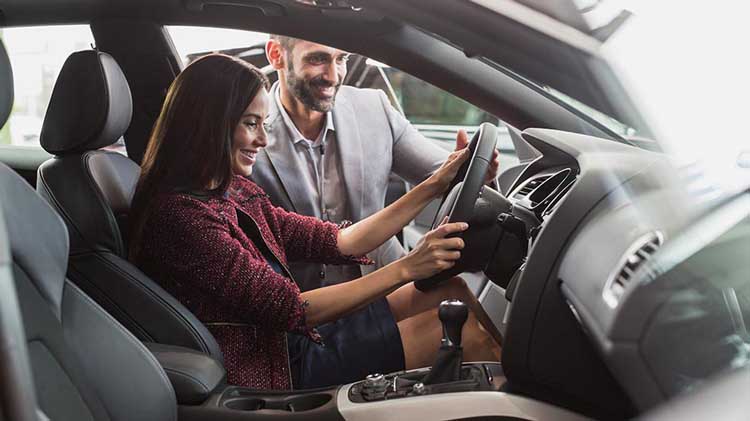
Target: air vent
(638,253)
(530,186)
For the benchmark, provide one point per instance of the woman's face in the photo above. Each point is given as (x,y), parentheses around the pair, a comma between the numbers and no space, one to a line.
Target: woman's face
(250,135)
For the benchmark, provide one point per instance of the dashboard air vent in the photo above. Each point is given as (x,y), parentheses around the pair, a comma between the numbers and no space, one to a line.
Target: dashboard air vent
(638,253)
(530,186)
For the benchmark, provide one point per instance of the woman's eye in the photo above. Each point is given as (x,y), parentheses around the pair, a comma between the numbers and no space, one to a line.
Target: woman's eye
(251,124)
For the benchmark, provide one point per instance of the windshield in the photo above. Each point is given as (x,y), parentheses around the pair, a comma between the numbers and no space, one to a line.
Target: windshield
(686,65)
(607,121)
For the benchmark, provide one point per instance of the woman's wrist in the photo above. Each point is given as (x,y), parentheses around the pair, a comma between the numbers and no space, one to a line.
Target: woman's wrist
(401,271)
(432,187)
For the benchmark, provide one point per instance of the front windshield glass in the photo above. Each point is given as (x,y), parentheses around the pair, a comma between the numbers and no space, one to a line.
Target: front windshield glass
(686,66)
(607,121)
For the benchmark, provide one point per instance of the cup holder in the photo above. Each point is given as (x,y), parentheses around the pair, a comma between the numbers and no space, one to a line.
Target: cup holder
(307,402)
(299,403)
(245,404)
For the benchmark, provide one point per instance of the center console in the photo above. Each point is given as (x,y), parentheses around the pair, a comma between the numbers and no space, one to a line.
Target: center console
(474,377)
(448,390)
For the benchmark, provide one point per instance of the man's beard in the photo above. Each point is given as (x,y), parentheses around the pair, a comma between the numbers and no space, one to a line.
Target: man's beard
(304,90)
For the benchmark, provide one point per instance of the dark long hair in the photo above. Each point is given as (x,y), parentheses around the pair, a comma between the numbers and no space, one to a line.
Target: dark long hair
(190,148)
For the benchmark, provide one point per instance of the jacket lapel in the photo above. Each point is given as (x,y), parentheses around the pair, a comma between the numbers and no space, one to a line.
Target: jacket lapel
(350,149)
(283,159)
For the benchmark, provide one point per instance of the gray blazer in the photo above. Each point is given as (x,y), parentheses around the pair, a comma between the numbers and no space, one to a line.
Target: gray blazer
(373,140)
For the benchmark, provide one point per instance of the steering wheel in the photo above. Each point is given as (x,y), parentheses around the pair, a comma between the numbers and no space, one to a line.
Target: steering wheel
(463,192)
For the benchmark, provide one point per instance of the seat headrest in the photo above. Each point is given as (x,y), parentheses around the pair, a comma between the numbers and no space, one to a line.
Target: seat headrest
(90,105)
(6,85)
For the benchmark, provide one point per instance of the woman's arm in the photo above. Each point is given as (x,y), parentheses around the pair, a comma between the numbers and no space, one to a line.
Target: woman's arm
(371,232)
(434,253)
(191,242)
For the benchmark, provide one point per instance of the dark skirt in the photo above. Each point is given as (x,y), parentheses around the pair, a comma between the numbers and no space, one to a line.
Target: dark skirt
(354,346)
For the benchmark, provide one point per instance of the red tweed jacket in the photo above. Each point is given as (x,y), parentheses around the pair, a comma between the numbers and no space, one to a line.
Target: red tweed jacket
(196,249)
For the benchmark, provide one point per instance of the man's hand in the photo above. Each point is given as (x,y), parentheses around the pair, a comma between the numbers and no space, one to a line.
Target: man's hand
(462,141)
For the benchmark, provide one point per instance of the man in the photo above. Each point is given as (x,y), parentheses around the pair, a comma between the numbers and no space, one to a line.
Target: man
(331,149)
(338,140)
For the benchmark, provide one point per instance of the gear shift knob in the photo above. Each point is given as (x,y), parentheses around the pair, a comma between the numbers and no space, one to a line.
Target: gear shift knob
(453,315)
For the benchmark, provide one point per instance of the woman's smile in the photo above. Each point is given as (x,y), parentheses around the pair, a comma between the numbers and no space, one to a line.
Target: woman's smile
(248,155)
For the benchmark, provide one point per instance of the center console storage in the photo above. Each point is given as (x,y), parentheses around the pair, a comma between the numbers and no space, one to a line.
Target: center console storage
(250,400)
(239,403)
(474,377)
(474,388)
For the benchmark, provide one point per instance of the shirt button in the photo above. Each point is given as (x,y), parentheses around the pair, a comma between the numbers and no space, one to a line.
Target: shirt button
(322,274)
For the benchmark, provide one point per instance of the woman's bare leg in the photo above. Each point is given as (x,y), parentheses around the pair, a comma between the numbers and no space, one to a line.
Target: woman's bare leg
(408,301)
(421,334)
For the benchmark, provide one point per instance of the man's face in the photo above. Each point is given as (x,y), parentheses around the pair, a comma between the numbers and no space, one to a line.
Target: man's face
(314,74)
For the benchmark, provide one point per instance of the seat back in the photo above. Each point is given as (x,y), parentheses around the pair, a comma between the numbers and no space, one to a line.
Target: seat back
(83,364)
(92,188)
(17,397)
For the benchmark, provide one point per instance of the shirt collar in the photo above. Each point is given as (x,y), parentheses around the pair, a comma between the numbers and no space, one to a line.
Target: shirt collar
(294,132)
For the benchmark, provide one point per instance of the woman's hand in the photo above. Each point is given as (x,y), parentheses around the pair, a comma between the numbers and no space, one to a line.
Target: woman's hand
(434,253)
(441,179)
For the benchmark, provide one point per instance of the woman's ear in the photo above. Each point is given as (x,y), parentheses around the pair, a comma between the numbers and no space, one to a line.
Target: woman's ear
(275,54)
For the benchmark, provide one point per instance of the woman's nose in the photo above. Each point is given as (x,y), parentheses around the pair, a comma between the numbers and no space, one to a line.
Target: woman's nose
(262,138)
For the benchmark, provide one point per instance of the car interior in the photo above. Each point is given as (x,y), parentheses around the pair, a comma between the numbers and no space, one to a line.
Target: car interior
(615,298)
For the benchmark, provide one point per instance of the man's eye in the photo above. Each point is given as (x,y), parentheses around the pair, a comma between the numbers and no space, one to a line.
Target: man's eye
(342,59)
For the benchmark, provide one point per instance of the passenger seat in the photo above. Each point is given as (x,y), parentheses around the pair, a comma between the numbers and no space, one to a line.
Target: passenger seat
(92,189)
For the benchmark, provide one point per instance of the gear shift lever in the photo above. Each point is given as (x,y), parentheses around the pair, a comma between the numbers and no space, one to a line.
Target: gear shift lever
(447,366)
(453,315)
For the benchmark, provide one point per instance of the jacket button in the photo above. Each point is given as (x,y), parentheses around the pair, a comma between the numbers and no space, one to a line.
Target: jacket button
(322,274)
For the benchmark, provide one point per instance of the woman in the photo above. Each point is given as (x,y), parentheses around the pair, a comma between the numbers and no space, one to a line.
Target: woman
(212,238)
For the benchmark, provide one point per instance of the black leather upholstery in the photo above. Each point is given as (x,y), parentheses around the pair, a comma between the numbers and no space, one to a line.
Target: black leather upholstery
(17,395)
(90,105)
(85,365)
(92,189)
(194,375)
(6,86)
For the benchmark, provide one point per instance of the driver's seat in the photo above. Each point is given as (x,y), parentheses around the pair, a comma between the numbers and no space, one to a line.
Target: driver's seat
(91,188)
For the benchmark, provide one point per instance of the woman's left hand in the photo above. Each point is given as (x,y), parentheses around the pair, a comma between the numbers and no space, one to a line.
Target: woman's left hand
(442,178)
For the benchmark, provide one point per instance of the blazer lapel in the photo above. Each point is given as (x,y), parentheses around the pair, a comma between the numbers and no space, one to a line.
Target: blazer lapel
(283,159)
(350,148)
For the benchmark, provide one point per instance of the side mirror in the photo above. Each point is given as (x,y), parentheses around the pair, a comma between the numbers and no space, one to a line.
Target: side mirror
(743,160)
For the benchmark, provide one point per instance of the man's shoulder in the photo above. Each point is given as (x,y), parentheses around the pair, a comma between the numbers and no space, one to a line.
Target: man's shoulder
(360,96)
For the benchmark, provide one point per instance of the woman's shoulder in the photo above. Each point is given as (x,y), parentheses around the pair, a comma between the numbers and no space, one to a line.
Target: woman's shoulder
(246,187)
(179,205)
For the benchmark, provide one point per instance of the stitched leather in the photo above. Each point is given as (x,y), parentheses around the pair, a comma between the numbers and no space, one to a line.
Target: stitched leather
(193,375)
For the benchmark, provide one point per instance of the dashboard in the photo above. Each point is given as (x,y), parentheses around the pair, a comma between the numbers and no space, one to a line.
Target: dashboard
(598,212)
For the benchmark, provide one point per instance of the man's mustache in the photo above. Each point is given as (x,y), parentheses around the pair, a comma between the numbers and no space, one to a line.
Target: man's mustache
(319,82)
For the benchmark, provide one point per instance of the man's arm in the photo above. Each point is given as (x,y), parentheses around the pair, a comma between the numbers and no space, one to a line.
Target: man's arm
(414,156)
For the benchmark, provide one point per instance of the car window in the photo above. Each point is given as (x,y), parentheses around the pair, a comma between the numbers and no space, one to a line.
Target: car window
(436,113)
(192,41)
(37,54)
